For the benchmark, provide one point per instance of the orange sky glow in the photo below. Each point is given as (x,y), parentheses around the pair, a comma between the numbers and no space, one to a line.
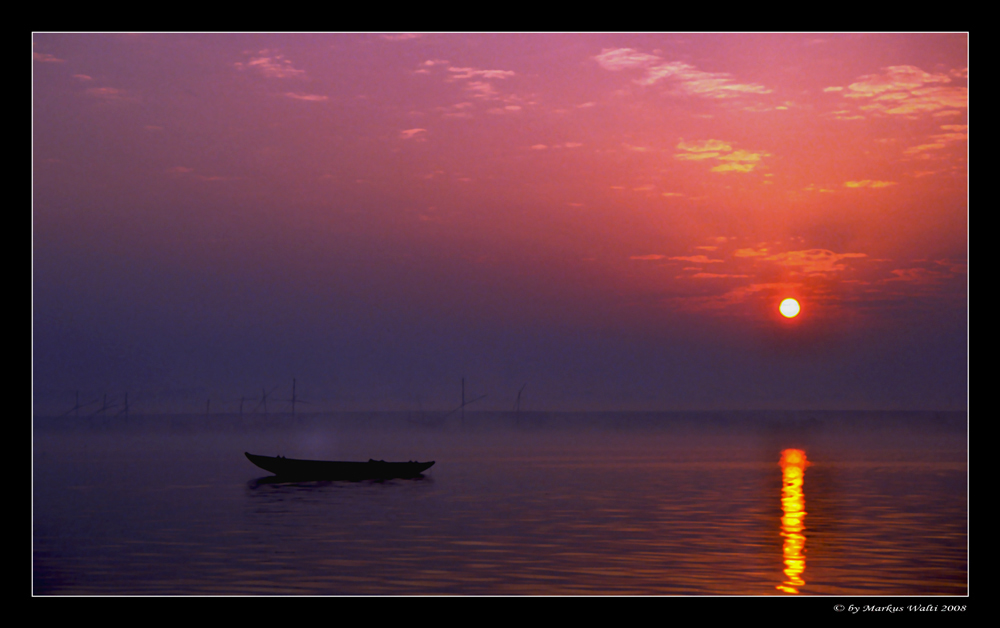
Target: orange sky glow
(612,213)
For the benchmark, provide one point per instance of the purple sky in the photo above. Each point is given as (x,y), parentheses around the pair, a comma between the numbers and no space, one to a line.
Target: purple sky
(611,219)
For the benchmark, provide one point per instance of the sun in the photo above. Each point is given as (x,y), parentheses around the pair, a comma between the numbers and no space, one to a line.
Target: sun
(789,308)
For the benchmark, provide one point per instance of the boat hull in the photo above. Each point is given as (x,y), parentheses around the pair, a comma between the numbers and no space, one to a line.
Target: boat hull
(292,469)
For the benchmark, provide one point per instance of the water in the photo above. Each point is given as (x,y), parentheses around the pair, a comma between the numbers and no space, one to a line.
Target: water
(545,504)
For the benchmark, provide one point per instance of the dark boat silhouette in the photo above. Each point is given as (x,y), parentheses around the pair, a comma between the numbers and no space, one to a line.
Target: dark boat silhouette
(292,469)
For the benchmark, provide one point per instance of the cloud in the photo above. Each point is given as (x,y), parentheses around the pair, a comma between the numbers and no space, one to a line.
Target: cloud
(648,257)
(868,183)
(83,77)
(717,276)
(733,167)
(410,134)
(812,187)
(479,85)
(695,82)
(468,73)
(482,90)
(844,114)
(704,146)
(506,109)
(915,150)
(739,295)
(615,59)
(733,160)
(400,36)
(478,82)
(271,65)
(957,133)
(111,94)
(695,156)
(814,260)
(751,252)
(44,57)
(922,101)
(895,79)
(917,276)
(308,97)
(424,68)
(458,110)
(685,78)
(697,259)
(742,155)
(930,277)
(908,90)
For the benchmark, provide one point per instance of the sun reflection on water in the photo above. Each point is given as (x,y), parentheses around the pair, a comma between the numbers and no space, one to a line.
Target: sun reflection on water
(793,506)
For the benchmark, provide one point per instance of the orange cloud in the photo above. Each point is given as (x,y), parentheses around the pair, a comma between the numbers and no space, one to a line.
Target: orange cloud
(717,276)
(410,134)
(733,168)
(908,90)
(308,97)
(685,78)
(271,65)
(698,259)
(814,260)
(704,146)
(44,57)
(895,79)
(734,160)
(111,94)
(868,183)
(466,73)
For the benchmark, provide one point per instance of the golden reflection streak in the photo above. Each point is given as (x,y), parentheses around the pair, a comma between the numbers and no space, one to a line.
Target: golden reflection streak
(793,505)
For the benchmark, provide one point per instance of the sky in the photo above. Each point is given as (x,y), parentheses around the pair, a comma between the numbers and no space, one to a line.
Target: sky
(606,220)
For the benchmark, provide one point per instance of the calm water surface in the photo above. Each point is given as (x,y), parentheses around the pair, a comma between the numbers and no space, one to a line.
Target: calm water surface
(547,504)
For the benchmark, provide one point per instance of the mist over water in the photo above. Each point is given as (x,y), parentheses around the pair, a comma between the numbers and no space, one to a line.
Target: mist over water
(535,503)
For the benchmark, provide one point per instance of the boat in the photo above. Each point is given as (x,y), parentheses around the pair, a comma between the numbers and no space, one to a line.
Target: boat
(293,469)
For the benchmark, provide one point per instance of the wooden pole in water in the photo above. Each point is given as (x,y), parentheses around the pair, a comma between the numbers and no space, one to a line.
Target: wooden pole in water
(463,401)
(125,409)
(75,410)
(517,406)
(104,407)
